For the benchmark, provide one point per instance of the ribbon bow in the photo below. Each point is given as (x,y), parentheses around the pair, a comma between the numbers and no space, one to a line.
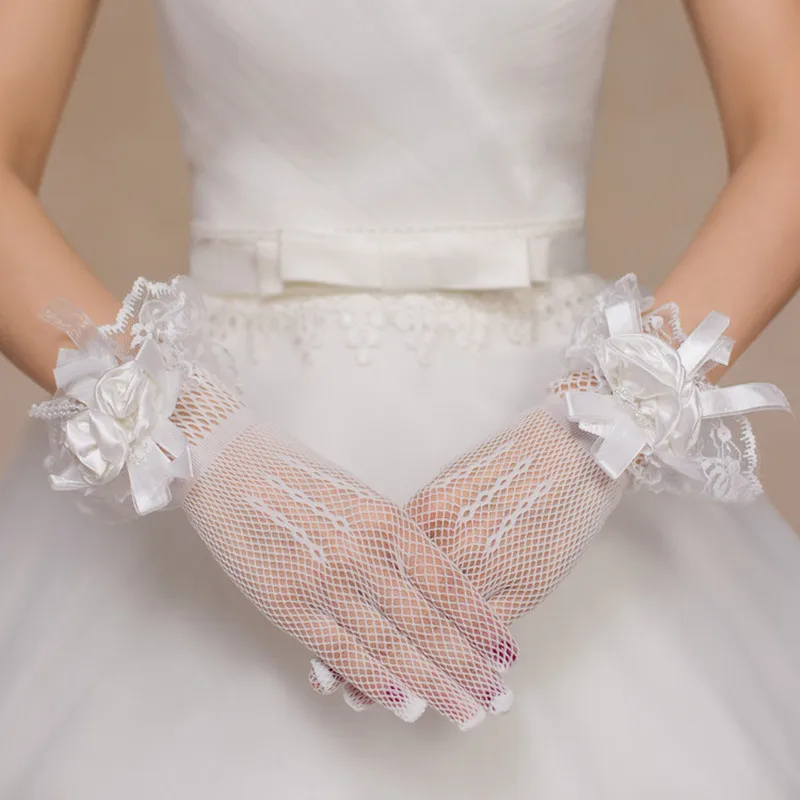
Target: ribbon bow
(114,416)
(654,400)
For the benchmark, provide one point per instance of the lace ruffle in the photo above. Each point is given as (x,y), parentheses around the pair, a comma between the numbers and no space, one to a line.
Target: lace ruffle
(361,321)
(709,453)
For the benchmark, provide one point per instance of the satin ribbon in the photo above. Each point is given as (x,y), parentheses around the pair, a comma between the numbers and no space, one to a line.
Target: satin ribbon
(150,471)
(622,437)
(103,441)
(468,259)
(153,471)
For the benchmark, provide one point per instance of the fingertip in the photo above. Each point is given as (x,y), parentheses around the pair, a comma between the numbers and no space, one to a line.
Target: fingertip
(413,709)
(356,699)
(504,654)
(322,678)
(408,707)
(502,703)
(473,722)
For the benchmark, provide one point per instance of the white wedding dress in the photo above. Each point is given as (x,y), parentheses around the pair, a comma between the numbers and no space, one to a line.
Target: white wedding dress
(388,204)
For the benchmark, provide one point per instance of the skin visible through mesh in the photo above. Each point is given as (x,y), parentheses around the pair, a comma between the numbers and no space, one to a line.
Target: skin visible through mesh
(577,382)
(516,513)
(343,570)
(329,561)
(201,410)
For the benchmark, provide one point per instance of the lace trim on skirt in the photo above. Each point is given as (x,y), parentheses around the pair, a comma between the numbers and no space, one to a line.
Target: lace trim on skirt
(362,320)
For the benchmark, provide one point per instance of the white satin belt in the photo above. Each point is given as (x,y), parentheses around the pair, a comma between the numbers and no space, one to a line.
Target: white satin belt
(468,258)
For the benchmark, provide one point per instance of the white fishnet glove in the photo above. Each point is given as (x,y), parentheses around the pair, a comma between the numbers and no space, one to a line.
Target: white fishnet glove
(325,558)
(343,570)
(517,512)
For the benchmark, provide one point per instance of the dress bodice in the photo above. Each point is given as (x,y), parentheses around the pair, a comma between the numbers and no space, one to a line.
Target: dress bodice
(391,113)
(389,145)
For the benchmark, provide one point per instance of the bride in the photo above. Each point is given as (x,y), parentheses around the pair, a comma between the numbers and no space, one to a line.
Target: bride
(391,409)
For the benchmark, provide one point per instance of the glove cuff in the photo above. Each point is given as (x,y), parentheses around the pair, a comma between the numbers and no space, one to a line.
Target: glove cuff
(637,385)
(112,422)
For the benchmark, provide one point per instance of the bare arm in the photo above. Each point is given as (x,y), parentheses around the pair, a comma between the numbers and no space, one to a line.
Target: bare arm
(745,259)
(40,46)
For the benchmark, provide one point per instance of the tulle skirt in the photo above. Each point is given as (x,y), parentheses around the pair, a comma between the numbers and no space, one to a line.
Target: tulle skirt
(666,665)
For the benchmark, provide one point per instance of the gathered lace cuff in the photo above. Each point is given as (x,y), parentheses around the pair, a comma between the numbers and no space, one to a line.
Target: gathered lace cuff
(111,422)
(645,398)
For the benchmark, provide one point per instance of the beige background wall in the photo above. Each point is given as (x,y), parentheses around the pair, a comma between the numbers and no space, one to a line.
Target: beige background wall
(116,185)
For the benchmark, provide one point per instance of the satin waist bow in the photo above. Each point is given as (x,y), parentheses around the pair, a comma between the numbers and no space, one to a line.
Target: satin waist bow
(466,258)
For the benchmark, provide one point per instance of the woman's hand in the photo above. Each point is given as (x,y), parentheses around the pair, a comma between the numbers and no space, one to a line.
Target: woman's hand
(343,570)
(516,513)
(144,417)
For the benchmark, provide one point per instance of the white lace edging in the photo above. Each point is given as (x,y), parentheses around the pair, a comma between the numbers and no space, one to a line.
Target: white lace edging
(363,320)
(174,315)
(656,416)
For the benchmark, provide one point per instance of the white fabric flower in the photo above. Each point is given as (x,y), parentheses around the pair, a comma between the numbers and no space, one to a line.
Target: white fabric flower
(99,444)
(111,416)
(652,399)
(132,398)
(646,375)
(126,426)
(166,319)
